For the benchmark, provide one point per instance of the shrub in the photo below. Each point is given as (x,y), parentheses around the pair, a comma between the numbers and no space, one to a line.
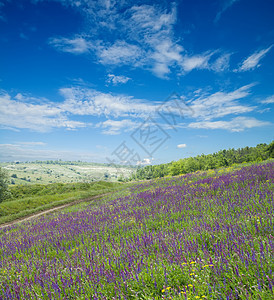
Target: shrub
(3,184)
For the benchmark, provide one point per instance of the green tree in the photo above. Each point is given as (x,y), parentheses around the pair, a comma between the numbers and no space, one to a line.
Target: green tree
(270,149)
(223,158)
(3,184)
(175,168)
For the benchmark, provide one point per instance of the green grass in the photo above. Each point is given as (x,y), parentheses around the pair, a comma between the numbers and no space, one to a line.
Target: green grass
(205,235)
(27,200)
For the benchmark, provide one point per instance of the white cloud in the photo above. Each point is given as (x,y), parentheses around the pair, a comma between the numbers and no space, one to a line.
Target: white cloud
(32,143)
(26,112)
(145,161)
(220,104)
(84,101)
(262,111)
(142,36)
(43,117)
(221,63)
(77,45)
(205,62)
(122,112)
(152,28)
(149,19)
(268,100)
(118,53)
(166,55)
(196,62)
(235,125)
(117,79)
(253,60)
(226,5)
(181,146)
(114,127)
(15,152)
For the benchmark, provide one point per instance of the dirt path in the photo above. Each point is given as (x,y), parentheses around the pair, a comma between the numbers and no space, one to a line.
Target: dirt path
(33,216)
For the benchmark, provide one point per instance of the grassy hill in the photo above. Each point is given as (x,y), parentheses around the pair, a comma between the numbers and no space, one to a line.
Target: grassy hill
(202,235)
(25,200)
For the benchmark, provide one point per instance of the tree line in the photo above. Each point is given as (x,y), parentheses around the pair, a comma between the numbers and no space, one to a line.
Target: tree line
(222,158)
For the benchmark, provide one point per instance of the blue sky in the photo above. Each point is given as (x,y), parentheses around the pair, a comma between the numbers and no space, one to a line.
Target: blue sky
(134,82)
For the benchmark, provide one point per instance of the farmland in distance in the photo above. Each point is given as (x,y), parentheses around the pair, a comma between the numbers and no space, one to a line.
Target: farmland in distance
(65,172)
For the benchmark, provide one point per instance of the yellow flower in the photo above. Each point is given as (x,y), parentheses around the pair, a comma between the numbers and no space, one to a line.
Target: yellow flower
(190,285)
(163,290)
(193,262)
(168,288)
(191,274)
(197,297)
(205,266)
(184,263)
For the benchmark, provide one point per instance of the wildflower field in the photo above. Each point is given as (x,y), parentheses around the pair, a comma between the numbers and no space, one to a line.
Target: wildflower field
(206,235)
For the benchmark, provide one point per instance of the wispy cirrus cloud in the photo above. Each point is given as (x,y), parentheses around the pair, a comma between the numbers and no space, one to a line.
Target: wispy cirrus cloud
(227,4)
(18,113)
(137,35)
(21,152)
(76,45)
(124,113)
(119,53)
(114,127)
(27,144)
(221,63)
(252,62)
(200,61)
(42,115)
(85,101)
(235,125)
(268,100)
(213,60)
(221,104)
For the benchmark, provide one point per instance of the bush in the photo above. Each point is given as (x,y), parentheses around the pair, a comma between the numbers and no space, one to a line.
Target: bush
(3,184)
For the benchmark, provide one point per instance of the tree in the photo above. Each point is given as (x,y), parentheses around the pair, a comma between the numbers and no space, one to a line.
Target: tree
(3,184)
(175,168)
(270,149)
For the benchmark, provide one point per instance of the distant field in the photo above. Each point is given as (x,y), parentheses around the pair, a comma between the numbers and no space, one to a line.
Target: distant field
(32,173)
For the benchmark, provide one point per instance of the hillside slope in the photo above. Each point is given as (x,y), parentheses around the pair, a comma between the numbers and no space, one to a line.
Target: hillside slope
(205,235)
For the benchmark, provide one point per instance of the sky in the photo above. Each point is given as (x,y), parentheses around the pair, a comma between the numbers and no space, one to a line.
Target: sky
(134,82)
